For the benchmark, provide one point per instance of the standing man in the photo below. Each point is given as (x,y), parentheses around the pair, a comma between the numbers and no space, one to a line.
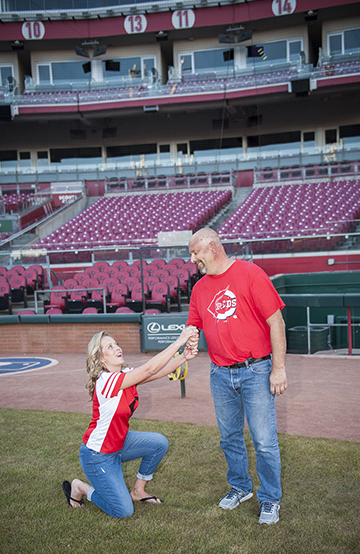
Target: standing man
(239,310)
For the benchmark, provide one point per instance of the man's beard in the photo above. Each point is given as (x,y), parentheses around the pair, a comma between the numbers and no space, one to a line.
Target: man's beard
(202,269)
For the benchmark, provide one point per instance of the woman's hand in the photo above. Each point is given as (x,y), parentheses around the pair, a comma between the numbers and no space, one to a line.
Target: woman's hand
(190,336)
(190,353)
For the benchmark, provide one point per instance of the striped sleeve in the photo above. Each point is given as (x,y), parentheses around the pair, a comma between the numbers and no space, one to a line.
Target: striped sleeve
(113,385)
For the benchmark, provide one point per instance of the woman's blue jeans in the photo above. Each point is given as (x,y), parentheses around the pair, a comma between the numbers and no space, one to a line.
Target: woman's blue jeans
(104,471)
(246,391)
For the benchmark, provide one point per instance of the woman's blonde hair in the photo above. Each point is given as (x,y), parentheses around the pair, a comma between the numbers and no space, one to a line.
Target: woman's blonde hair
(93,365)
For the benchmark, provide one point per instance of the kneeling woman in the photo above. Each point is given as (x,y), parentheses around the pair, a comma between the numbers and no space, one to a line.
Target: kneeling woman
(108,442)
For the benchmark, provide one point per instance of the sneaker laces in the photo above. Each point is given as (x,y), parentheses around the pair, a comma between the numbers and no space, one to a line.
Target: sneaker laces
(267,507)
(231,494)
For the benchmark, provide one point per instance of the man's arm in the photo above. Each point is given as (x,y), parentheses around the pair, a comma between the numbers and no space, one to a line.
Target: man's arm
(278,381)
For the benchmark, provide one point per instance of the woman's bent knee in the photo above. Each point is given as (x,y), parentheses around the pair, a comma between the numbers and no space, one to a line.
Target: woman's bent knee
(120,514)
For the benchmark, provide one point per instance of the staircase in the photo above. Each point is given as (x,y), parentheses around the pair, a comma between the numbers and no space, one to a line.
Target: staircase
(353,242)
(240,195)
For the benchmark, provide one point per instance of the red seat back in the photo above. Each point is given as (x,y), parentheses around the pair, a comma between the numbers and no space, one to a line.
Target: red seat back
(158,293)
(110,282)
(130,282)
(101,266)
(101,276)
(161,274)
(57,296)
(173,283)
(119,293)
(70,283)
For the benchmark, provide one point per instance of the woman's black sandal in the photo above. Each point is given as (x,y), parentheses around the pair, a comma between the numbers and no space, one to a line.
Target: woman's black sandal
(66,487)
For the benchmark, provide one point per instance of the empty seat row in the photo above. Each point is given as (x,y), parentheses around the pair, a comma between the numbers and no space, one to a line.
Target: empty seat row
(311,209)
(135,220)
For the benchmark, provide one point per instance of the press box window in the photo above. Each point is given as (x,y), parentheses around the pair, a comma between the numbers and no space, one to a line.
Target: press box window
(5,73)
(309,139)
(330,136)
(25,159)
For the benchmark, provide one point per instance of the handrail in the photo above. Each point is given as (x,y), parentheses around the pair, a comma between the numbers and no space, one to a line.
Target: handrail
(38,292)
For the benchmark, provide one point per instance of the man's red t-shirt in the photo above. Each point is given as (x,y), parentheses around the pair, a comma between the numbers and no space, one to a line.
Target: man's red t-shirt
(232,309)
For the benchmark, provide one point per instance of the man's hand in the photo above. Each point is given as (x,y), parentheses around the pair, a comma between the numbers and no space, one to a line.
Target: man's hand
(278,381)
(193,341)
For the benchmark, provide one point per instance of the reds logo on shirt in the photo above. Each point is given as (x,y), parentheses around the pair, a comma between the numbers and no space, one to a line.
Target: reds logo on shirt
(223,305)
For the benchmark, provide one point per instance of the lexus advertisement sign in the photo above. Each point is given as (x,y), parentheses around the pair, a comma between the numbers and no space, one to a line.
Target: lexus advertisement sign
(158,331)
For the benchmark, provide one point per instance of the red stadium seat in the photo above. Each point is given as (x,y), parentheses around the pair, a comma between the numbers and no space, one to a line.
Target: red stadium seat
(70,283)
(18,286)
(57,299)
(160,298)
(137,300)
(96,299)
(124,310)
(5,297)
(101,266)
(119,294)
(54,311)
(90,311)
(75,301)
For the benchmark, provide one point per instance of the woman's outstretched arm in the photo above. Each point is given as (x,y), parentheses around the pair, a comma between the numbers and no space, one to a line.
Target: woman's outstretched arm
(148,370)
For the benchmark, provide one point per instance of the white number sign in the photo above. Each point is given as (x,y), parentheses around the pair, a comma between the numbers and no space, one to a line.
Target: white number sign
(183,19)
(283,7)
(33,30)
(135,24)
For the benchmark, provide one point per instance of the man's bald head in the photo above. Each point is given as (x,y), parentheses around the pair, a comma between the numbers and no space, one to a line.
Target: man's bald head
(208,253)
(206,235)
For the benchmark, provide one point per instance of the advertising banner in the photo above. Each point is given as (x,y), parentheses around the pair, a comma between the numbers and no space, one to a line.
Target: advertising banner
(158,331)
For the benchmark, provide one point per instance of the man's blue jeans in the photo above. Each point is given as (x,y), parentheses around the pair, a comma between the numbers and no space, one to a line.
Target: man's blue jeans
(104,471)
(246,391)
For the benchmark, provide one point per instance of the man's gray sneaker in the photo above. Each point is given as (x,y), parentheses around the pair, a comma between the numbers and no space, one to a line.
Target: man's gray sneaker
(233,498)
(269,512)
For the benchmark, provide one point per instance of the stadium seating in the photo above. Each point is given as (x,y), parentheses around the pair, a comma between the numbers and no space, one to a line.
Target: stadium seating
(5,297)
(41,275)
(118,296)
(307,210)
(90,311)
(134,220)
(174,290)
(75,300)
(71,283)
(32,280)
(136,300)
(96,299)
(57,299)
(160,298)
(18,286)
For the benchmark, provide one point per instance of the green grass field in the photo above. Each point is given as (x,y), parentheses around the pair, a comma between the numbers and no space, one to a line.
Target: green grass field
(319,511)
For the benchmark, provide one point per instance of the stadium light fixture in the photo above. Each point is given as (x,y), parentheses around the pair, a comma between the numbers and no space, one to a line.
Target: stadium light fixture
(161,36)
(82,52)
(235,34)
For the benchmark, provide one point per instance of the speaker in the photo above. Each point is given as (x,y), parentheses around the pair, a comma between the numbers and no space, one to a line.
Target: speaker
(111,65)
(226,39)
(87,67)
(99,50)
(5,112)
(300,86)
(82,52)
(228,55)
(246,35)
